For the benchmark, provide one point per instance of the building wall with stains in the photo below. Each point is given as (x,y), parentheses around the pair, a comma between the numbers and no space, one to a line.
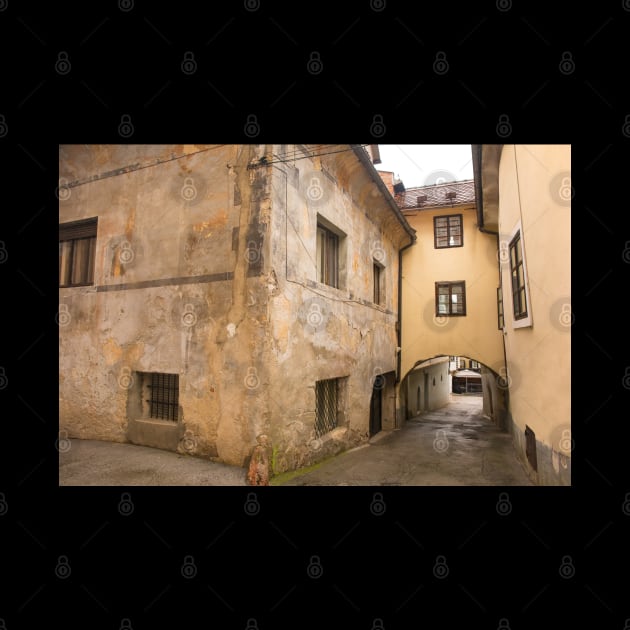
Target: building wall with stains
(182,237)
(205,269)
(534,197)
(320,332)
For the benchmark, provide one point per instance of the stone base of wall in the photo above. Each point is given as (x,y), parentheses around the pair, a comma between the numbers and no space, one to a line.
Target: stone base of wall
(156,433)
(554,468)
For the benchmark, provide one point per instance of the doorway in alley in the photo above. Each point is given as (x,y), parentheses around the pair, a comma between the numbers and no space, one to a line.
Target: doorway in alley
(375,408)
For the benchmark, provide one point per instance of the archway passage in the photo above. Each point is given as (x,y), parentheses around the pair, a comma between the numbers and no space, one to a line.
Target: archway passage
(438,381)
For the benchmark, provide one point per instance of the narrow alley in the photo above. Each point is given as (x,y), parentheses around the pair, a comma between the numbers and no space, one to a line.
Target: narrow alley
(452,446)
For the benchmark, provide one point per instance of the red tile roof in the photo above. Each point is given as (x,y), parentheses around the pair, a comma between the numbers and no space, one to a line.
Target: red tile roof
(447,194)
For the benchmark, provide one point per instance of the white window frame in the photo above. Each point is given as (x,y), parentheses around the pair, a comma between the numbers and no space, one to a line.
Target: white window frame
(525,321)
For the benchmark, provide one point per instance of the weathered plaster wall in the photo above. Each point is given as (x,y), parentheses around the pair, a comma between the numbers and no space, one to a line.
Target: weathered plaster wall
(535,188)
(319,332)
(181,245)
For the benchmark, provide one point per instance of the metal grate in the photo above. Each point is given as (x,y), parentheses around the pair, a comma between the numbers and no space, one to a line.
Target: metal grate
(530,448)
(164,396)
(325,406)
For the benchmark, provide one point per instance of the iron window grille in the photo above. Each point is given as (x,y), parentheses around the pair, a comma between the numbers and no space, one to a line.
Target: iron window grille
(327,257)
(163,396)
(448,231)
(517,271)
(77,252)
(450,298)
(326,397)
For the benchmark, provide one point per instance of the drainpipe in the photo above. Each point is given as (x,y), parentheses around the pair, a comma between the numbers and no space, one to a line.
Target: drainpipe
(476,158)
(399,321)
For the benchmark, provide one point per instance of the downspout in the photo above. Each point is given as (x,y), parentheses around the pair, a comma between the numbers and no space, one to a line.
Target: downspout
(476,158)
(399,320)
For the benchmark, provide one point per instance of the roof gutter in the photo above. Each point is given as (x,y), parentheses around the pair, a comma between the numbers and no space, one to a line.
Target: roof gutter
(476,160)
(477,156)
(364,158)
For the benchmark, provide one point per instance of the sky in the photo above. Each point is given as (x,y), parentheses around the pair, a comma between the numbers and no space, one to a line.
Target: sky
(425,164)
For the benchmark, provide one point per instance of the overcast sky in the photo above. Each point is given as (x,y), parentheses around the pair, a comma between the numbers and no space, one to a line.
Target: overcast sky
(425,164)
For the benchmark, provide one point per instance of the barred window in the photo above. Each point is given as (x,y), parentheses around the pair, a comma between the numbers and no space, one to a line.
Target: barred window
(162,395)
(77,252)
(448,231)
(326,399)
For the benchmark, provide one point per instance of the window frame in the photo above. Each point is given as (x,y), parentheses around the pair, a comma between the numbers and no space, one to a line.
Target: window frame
(378,280)
(523,319)
(327,256)
(448,230)
(450,301)
(74,232)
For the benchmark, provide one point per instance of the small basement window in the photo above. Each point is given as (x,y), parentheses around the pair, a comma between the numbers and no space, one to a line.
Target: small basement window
(326,405)
(160,396)
(530,448)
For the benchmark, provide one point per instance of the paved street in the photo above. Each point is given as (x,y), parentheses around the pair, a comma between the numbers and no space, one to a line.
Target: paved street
(94,463)
(469,452)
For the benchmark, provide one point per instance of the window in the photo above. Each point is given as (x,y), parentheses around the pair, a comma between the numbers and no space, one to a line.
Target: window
(379,289)
(327,256)
(474,365)
(326,394)
(161,396)
(77,251)
(462,364)
(517,272)
(500,318)
(450,298)
(447,231)
(530,448)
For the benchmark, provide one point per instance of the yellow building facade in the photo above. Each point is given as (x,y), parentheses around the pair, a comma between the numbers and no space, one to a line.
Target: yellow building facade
(449,288)
(526,198)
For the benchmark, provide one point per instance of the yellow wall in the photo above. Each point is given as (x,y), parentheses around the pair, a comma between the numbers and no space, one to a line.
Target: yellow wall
(474,335)
(539,356)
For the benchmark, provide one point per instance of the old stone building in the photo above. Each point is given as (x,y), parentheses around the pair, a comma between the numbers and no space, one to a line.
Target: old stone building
(212,294)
